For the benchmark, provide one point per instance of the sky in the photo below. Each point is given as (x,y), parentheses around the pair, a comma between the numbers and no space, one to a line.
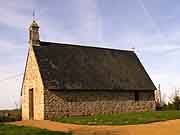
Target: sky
(149,26)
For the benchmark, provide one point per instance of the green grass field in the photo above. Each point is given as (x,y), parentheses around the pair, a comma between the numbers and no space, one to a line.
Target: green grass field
(16,130)
(123,118)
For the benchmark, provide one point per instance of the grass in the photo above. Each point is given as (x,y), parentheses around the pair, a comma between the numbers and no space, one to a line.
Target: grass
(123,118)
(17,130)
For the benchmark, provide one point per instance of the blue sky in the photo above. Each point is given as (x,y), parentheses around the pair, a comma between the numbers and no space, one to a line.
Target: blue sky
(151,26)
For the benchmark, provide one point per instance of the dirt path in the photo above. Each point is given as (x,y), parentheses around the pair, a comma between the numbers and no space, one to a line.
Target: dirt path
(171,127)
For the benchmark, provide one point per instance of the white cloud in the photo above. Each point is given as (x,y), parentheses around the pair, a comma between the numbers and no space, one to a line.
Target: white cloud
(90,19)
(10,93)
(8,45)
(169,83)
(17,14)
(85,26)
(152,43)
(84,23)
(13,13)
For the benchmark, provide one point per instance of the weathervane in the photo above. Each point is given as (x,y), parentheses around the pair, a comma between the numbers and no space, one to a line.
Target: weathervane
(34,14)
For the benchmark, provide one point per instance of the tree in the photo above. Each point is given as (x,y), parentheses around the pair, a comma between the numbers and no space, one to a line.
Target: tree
(176,102)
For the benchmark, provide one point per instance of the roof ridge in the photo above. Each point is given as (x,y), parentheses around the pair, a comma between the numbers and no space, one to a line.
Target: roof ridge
(45,43)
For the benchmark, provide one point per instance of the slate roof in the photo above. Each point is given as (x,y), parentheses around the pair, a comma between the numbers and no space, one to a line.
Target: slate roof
(66,66)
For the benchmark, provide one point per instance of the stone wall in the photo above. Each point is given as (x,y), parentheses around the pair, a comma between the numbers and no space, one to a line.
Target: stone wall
(32,80)
(78,102)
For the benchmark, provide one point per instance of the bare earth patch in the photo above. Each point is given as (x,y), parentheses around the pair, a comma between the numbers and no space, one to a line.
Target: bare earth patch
(171,127)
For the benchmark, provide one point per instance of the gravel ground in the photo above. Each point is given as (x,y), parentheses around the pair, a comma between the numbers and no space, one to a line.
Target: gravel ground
(171,127)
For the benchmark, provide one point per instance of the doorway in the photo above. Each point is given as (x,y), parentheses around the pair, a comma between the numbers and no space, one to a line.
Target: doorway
(31,104)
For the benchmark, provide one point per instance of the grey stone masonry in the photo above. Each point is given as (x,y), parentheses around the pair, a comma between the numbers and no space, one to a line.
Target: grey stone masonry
(78,102)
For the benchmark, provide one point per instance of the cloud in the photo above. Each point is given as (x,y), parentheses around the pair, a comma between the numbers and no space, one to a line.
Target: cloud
(81,23)
(90,21)
(11,93)
(8,45)
(87,22)
(168,86)
(152,43)
(16,13)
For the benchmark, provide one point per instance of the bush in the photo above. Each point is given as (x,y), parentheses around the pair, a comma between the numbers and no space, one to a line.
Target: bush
(173,105)
(176,103)
(10,115)
(8,119)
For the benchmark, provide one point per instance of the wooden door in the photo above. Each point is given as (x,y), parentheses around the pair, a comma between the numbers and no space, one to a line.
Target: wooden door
(31,104)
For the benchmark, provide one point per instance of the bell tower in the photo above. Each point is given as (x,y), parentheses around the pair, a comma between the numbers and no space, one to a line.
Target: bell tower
(34,34)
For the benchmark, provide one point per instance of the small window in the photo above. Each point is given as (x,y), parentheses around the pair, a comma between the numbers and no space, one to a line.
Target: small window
(136,96)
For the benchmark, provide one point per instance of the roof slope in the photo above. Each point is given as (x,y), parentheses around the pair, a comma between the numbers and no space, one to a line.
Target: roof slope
(65,66)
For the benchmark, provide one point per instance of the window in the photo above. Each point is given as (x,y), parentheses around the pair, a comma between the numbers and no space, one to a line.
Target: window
(136,96)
